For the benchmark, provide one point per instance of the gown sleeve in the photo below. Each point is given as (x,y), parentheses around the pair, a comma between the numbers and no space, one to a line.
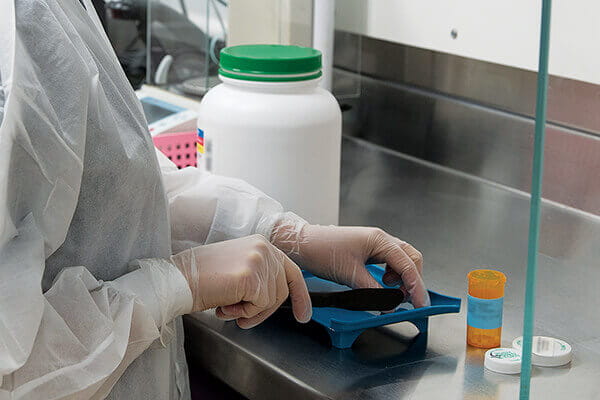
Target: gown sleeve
(206,208)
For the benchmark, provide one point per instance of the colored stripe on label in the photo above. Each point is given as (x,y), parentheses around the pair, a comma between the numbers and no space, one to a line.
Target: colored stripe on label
(200,141)
(484,313)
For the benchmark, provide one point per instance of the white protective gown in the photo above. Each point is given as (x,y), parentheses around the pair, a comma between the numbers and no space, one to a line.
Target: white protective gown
(81,198)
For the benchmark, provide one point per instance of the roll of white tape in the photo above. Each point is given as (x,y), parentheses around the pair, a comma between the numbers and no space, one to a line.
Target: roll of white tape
(547,351)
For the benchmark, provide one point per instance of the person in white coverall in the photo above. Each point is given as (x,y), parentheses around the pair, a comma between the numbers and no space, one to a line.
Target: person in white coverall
(91,297)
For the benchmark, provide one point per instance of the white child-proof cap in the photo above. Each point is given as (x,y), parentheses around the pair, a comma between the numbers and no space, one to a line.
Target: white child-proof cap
(503,360)
(547,351)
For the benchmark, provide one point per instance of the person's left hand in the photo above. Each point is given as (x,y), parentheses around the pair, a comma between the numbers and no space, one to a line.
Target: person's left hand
(340,254)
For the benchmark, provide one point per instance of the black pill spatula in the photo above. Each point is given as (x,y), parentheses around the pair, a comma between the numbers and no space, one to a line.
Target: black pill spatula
(356,299)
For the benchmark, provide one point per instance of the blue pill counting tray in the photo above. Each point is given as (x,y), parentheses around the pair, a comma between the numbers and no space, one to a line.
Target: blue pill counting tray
(344,326)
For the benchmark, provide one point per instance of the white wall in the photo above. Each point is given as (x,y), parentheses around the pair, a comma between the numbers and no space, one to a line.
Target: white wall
(501,31)
(270,21)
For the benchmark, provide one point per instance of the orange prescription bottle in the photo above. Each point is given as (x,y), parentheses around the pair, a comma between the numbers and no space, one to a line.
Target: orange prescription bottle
(484,313)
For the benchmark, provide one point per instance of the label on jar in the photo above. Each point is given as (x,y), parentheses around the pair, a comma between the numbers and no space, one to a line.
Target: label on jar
(484,313)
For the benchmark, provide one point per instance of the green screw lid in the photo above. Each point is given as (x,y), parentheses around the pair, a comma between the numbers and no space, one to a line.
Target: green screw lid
(270,63)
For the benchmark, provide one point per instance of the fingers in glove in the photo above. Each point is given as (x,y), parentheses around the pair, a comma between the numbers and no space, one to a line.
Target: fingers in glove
(301,304)
(391,277)
(241,310)
(361,278)
(259,295)
(219,314)
(247,323)
(388,250)
(244,309)
(414,254)
(292,284)
(279,292)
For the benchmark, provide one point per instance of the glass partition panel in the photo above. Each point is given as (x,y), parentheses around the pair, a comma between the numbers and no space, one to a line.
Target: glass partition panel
(184,39)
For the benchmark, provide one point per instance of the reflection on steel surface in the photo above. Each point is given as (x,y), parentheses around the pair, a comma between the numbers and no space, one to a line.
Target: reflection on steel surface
(472,116)
(480,141)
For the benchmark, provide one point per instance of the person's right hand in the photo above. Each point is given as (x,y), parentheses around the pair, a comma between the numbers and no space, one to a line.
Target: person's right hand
(246,279)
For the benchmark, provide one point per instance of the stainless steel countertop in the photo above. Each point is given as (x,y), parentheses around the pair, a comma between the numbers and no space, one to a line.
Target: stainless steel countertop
(459,223)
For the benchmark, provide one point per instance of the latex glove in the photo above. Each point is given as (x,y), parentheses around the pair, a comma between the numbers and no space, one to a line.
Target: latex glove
(246,279)
(340,254)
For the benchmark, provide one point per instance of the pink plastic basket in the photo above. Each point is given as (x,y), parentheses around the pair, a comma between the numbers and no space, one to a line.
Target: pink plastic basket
(180,147)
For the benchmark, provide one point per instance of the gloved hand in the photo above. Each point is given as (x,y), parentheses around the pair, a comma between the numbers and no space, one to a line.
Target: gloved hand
(340,254)
(246,279)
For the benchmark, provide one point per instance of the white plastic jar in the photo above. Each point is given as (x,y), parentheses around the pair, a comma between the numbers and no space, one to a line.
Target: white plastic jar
(270,124)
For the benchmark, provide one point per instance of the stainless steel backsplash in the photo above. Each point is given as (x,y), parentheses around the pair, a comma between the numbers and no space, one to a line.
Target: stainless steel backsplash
(473,116)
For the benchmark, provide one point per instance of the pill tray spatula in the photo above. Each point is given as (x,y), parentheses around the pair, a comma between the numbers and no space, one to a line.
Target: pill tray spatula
(356,300)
